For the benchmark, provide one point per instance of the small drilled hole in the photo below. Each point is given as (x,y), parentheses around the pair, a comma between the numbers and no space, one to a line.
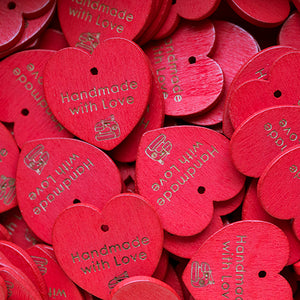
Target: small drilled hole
(25,112)
(11,5)
(192,59)
(277,94)
(262,274)
(94,71)
(201,189)
(76,201)
(104,228)
(173,2)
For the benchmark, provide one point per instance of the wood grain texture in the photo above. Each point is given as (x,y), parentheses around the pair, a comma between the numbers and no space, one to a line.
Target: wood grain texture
(57,282)
(182,170)
(281,88)
(55,173)
(262,13)
(33,28)
(142,287)
(19,258)
(233,47)
(289,32)
(238,251)
(22,97)
(280,197)
(52,39)
(253,210)
(152,118)
(102,102)
(9,155)
(20,233)
(125,19)
(99,249)
(257,67)
(264,135)
(191,82)
(186,247)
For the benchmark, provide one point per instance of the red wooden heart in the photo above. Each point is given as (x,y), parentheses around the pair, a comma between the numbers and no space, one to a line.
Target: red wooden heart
(143,287)
(258,67)
(252,210)
(55,173)
(290,31)
(282,178)
(241,260)
(191,82)
(22,74)
(9,155)
(19,231)
(32,28)
(99,98)
(261,13)
(264,135)
(173,281)
(246,100)
(58,284)
(230,39)
(125,19)
(182,170)
(152,118)
(97,250)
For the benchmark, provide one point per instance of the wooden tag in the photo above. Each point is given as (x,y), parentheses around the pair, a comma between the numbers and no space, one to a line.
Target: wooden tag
(9,155)
(264,135)
(143,287)
(32,29)
(191,82)
(246,100)
(283,200)
(252,210)
(125,19)
(99,249)
(152,118)
(186,247)
(23,75)
(258,67)
(52,39)
(49,180)
(235,263)
(101,99)
(290,30)
(182,170)
(262,13)
(58,284)
(227,35)
(21,259)
(19,232)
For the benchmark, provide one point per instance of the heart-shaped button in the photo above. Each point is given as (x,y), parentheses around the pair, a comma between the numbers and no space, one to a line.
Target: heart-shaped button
(182,170)
(49,180)
(264,135)
(290,30)
(125,19)
(282,177)
(191,82)
(101,98)
(143,287)
(9,155)
(246,100)
(261,13)
(22,74)
(239,262)
(257,67)
(102,248)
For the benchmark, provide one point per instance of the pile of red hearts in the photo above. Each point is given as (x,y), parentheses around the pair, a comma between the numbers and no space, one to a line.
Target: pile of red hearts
(150,151)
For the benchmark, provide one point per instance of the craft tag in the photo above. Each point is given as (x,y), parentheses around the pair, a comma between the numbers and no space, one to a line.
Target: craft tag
(101,98)
(55,173)
(182,170)
(240,261)
(99,249)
